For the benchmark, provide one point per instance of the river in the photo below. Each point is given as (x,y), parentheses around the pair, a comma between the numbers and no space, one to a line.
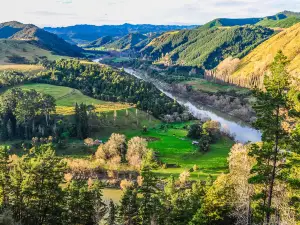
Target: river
(240,130)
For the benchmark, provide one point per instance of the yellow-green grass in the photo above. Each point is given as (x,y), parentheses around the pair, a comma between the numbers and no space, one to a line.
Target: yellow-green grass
(66,98)
(258,61)
(207,86)
(22,68)
(22,49)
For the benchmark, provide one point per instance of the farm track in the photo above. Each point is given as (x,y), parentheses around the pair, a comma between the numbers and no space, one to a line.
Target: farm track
(66,95)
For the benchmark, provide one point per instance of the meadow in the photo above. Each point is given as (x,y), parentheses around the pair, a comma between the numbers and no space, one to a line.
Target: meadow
(207,86)
(169,141)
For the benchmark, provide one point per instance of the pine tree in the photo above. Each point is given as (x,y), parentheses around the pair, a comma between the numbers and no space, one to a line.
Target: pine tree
(271,108)
(128,211)
(148,190)
(4,176)
(112,211)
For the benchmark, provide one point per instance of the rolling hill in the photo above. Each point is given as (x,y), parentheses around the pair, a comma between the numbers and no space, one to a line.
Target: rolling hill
(35,36)
(83,34)
(16,51)
(99,42)
(205,46)
(256,63)
(283,19)
(128,42)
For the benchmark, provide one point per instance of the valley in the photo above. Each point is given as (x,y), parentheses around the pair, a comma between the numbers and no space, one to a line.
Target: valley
(139,124)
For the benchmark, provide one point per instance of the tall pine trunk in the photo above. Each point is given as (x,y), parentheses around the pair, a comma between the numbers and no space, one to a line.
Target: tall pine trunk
(273,175)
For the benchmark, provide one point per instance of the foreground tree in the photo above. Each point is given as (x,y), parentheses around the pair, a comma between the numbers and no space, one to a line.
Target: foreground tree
(271,109)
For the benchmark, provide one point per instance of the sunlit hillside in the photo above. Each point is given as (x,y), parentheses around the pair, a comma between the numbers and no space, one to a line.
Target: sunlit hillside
(258,61)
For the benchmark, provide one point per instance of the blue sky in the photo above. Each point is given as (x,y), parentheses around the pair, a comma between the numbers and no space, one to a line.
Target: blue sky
(98,12)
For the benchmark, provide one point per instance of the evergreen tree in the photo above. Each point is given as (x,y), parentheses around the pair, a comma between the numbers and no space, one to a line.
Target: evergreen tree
(128,211)
(271,109)
(148,190)
(112,211)
(4,176)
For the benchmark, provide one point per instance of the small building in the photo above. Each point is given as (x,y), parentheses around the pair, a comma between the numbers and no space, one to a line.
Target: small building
(195,142)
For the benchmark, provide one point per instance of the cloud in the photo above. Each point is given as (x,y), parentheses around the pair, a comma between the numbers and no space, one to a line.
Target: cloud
(65,1)
(49,13)
(70,12)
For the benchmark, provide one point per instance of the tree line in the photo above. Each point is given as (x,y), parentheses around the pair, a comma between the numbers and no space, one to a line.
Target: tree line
(105,83)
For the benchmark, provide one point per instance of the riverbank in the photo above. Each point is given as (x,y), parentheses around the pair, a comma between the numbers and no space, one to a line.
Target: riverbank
(242,131)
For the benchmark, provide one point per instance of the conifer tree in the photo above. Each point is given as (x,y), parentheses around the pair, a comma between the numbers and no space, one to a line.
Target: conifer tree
(128,211)
(271,109)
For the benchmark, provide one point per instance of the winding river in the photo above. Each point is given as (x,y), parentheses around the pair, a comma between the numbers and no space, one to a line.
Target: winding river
(240,130)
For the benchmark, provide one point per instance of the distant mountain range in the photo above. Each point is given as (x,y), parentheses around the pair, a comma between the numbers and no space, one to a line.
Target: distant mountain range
(16,31)
(83,34)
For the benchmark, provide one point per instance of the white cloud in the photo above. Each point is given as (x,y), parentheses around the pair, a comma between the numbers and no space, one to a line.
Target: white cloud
(68,12)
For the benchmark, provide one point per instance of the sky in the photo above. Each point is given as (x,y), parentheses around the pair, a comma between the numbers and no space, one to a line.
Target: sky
(70,12)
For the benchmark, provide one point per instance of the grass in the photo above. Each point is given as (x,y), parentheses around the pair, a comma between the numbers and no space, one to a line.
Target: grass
(66,98)
(22,49)
(22,68)
(259,60)
(175,148)
(207,86)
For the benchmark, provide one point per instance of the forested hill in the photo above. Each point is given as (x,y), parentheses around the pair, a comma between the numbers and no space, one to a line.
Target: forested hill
(104,83)
(129,41)
(283,19)
(39,37)
(80,34)
(99,42)
(206,46)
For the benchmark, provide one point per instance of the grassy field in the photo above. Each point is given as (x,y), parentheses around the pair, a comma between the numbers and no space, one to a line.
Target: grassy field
(22,68)
(175,148)
(207,86)
(66,98)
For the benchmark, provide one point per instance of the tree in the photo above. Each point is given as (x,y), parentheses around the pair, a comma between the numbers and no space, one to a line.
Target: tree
(195,131)
(83,203)
(4,176)
(271,109)
(128,211)
(148,204)
(137,149)
(112,211)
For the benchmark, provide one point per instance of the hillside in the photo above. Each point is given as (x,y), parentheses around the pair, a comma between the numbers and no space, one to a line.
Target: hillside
(38,37)
(128,42)
(16,51)
(227,22)
(258,61)
(83,34)
(99,42)
(206,46)
(284,19)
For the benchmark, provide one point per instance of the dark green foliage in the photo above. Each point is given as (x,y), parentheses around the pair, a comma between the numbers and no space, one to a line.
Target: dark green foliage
(270,107)
(81,121)
(99,42)
(207,46)
(149,203)
(36,192)
(83,203)
(105,83)
(127,42)
(25,114)
(112,213)
(128,210)
(204,142)
(284,19)
(195,131)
